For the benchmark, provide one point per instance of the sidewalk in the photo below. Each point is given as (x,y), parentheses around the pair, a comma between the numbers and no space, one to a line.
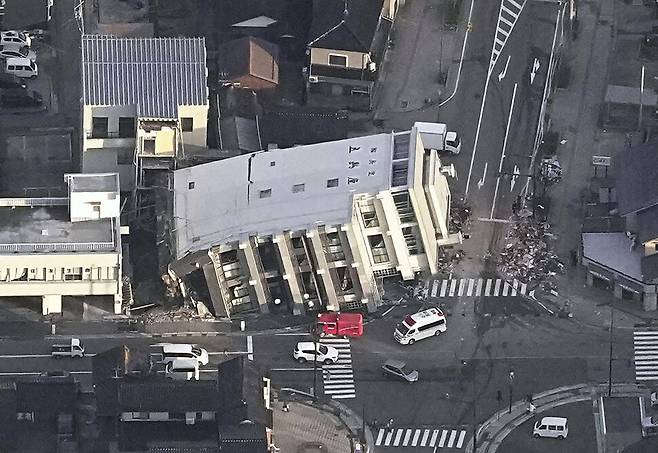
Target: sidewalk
(423,49)
(493,431)
(324,421)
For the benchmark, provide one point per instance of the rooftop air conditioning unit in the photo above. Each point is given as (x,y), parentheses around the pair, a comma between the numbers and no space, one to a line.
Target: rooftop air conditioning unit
(313,79)
(449,170)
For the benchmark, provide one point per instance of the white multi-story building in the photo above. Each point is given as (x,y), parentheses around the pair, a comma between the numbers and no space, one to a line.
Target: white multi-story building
(69,246)
(144,102)
(315,226)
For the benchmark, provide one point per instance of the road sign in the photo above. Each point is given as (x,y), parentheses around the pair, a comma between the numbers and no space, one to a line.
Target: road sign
(603,161)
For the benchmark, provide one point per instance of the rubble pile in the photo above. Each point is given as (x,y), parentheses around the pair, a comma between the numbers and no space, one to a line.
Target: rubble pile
(177,314)
(460,215)
(527,256)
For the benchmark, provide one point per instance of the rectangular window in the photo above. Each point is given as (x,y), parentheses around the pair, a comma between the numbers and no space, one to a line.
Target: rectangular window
(338,60)
(99,127)
(187,124)
(298,188)
(332,182)
(267,193)
(126,127)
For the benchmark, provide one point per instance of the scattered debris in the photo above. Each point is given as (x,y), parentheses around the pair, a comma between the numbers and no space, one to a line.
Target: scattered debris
(528,257)
(460,215)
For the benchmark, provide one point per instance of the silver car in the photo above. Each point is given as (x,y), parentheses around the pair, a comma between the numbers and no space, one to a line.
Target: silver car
(397,369)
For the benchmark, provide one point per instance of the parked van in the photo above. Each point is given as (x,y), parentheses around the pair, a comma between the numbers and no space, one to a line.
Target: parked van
(420,325)
(21,67)
(172,351)
(551,427)
(182,369)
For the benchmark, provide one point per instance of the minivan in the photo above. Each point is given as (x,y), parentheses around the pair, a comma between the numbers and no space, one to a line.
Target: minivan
(21,67)
(182,369)
(551,427)
(8,81)
(173,351)
(418,326)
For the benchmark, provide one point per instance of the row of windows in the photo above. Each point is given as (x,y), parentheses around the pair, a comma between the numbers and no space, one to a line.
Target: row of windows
(296,188)
(99,126)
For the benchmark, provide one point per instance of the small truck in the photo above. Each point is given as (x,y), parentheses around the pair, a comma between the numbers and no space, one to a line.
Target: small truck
(72,349)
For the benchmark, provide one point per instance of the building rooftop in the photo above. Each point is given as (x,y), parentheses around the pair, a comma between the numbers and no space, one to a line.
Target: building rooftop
(637,184)
(99,182)
(272,191)
(614,251)
(157,75)
(345,24)
(44,229)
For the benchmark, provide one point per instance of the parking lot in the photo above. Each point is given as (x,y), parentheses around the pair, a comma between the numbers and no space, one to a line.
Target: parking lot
(581,438)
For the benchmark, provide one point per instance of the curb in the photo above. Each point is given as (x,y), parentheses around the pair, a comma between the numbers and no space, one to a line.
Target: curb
(489,441)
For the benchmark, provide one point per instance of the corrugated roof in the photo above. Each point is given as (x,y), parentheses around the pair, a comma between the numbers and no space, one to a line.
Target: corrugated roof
(155,74)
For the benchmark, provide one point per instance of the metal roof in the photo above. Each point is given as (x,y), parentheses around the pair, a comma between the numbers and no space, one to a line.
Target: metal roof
(156,74)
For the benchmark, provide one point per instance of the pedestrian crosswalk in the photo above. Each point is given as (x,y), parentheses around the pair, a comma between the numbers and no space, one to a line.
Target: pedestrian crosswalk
(479,287)
(338,378)
(645,344)
(441,437)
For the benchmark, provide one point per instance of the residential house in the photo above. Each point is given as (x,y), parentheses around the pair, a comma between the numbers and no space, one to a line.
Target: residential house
(141,411)
(145,102)
(627,261)
(39,414)
(313,227)
(346,45)
(64,246)
(250,63)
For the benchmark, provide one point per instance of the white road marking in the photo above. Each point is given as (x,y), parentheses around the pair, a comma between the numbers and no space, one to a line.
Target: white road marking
(453,435)
(398,437)
(250,347)
(414,441)
(460,441)
(407,438)
(442,441)
(502,155)
(435,434)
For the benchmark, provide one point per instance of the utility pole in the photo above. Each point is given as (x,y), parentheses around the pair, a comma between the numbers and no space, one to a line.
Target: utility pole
(639,120)
(511,390)
(610,356)
(315,363)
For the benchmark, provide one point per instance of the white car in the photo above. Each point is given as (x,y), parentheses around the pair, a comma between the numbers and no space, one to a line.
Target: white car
(15,39)
(304,352)
(13,52)
(654,399)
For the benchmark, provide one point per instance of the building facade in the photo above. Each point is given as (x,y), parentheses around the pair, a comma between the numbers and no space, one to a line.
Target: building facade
(69,246)
(145,101)
(313,227)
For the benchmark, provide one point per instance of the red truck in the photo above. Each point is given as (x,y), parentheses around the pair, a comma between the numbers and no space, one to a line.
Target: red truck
(340,324)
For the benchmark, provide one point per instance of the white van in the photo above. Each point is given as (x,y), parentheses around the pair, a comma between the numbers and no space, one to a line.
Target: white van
(21,67)
(173,351)
(420,325)
(182,369)
(551,427)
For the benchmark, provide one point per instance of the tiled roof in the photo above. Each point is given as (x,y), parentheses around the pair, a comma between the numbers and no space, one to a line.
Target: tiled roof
(344,25)
(155,74)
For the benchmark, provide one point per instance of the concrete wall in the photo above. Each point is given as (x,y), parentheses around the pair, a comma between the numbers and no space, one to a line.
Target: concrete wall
(82,208)
(199,114)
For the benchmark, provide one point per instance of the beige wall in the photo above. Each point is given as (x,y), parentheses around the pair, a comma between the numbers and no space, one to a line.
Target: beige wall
(355,60)
(199,114)
(103,278)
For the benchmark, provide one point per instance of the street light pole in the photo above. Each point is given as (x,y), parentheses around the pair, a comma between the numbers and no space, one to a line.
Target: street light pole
(511,390)
(610,356)
(639,120)
(315,363)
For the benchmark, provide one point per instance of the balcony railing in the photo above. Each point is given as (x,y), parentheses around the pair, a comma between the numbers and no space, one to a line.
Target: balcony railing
(45,247)
(108,134)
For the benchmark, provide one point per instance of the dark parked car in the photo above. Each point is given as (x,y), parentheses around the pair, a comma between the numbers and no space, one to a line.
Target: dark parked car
(17,97)
(11,81)
(397,369)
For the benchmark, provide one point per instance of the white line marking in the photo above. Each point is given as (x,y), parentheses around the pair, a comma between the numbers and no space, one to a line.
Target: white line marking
(462,282)
(505,289)
(426,435)
(497,287)
(414,441)
(435,434)
(398,437)
(487,289)
(442,441)
(435,287)
(380,436)
(444,287)
(250,347)
(603,425)
(460,441)
(291,369)
(502,155)
(471,284)
(478,289)
(453,284)
(389,436)
(451,441)
(407,437)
